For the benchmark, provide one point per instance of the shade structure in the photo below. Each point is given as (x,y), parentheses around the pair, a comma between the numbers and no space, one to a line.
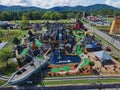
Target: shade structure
(102,56)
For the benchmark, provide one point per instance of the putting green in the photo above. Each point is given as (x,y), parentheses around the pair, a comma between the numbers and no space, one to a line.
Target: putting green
(78,34)
(38,43)
(40,58)
(65,68)
(79,49)
(86,62)
(24,52)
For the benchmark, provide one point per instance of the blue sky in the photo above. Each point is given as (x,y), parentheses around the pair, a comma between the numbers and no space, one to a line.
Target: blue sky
(52,3)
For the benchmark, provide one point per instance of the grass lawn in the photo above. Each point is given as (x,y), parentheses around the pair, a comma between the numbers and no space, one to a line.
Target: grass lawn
(7,71)
(109,19)
(105,28)
(7,35)
(2,82)
(78,82)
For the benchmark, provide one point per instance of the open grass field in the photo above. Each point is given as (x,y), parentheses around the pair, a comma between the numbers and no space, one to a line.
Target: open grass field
(7,71)
(105,28)
(79,82)
(7,35)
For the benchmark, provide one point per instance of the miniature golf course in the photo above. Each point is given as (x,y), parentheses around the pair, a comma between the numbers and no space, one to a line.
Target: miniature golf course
(78,34)
(65,68)
(38,43)
(79,49)
(24,52)
(86,62)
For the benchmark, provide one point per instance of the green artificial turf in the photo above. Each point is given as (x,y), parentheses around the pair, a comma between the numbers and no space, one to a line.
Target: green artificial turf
(79,49)
(86,62)
(24,52)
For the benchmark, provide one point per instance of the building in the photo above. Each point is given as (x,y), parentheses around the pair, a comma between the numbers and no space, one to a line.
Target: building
(115,28)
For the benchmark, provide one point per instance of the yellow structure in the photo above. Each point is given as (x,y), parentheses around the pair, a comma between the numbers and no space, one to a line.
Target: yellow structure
(115,28)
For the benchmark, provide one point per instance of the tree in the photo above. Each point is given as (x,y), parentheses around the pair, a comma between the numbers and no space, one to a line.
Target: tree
(56,16)
(91,63)
(70,15)
(36,15)
(5,54)
(5,16)
(47,15)
(78,15)
(16,41)
(24,22)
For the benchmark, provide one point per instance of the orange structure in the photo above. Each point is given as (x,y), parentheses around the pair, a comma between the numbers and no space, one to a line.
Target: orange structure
(115,28)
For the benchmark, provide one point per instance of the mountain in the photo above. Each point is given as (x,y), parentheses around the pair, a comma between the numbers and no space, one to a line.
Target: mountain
(19,8)
(82,8)
(58,8)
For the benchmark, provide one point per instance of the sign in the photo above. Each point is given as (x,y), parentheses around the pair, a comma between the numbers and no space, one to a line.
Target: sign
(115,28)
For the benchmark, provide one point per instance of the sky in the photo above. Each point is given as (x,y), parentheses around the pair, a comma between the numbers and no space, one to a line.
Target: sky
(52,3)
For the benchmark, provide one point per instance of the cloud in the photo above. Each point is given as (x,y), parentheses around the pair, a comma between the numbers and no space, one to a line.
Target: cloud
(52,3)
(115,3)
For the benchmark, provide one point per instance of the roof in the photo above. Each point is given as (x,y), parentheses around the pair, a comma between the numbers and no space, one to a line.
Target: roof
(102,55)
(89,46)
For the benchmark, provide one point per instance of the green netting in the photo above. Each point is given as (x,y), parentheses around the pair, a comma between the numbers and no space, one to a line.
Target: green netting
(24,52)
(79,49)
(86,62)
(38,43)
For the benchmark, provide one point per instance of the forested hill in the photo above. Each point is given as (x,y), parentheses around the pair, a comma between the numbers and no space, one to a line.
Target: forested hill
(19,8)
(65,8)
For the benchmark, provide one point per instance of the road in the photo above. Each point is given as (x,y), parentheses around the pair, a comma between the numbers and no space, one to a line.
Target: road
(108,38)
(68,87)
(92,77)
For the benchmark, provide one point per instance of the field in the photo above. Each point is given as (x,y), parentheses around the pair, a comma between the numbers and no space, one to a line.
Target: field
(104,28)
(7,35)
(79,82)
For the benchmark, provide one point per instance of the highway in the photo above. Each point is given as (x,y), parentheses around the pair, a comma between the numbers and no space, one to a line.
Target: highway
(108,38)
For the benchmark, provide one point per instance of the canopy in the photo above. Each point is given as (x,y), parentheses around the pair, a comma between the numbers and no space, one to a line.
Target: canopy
(102,55)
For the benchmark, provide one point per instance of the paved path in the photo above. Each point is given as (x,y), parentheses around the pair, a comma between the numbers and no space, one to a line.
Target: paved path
(108,38)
